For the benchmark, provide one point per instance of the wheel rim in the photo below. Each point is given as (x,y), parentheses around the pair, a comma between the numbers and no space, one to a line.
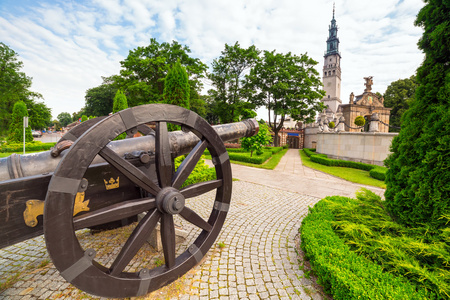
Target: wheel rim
(166,199)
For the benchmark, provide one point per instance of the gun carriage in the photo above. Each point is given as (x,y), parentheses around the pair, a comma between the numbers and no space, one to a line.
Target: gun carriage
(90,179)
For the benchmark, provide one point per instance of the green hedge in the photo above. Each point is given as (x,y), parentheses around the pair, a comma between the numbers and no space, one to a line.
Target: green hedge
(30,146)
(343,273)
(378,173)
(255,159)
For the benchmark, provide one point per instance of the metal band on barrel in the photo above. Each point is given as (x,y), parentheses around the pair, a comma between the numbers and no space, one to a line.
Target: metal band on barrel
(196,252)
(79,266)
(64,185)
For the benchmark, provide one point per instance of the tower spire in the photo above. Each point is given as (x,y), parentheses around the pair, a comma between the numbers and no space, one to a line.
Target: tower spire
(333,10)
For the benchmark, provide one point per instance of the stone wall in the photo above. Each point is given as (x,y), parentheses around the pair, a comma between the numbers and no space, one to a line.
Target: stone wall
(310,136)
(366,147)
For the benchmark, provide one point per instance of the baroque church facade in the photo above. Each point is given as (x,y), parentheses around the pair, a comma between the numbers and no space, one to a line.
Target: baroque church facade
(366,104)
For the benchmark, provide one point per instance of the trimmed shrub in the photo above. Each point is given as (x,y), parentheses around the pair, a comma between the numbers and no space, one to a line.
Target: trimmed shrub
(245,157)
(342,272)
(378,173)
(30,146)
(360,121)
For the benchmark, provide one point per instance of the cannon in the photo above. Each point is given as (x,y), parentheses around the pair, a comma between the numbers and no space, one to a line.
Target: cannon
(90,179)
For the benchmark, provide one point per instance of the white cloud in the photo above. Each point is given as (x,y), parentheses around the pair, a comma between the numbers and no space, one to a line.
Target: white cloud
(67,47)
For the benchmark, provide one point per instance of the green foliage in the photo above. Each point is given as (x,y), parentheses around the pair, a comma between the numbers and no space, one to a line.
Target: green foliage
(287,85)
(418,179)
(350,174)
(331,125)
(360,121)
(398,96)
(84,118)
(143,71)
(324,160)
(14,87)
(120,101)
(64,119)
(358,252)
(99,100)
(227,79)
(176,86)
(200,173)
(258,141)
(378,173)
(15,133)
(247,157)
(29,146)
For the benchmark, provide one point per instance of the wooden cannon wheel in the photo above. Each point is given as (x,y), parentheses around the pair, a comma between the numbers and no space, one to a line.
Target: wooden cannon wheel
(165,199)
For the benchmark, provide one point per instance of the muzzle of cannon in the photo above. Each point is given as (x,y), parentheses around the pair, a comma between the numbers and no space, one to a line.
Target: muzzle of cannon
(98,180)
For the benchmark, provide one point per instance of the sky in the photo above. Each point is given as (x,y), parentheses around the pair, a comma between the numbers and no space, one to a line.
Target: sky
(67,46)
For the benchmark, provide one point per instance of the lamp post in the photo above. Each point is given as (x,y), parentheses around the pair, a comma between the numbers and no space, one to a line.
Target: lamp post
(25,125)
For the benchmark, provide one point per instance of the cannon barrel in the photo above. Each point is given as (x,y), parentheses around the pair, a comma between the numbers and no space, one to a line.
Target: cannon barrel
(17,166)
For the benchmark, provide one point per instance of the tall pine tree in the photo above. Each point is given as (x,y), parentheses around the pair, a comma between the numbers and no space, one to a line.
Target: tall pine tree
(418,180)
(15,133)
(176,86)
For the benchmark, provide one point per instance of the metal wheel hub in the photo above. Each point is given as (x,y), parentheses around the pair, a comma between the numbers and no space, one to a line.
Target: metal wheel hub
(170,201)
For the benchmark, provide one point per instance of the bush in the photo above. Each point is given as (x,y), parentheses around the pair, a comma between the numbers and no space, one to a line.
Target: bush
(245,157)
(331,125)
(418,189)
(360,121)
(309,152)
(200,173)
(342,272)
(30,146)
(378,173)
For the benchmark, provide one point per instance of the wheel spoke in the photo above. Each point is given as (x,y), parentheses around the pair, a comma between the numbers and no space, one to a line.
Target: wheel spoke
(129,170)
(145,130)
(192,217)
(135,241)
(200,188)
(163,155)
(168,239)
(188,164)
(114,212)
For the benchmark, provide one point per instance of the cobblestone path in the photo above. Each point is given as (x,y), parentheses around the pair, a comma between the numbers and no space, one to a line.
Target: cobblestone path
(254,256)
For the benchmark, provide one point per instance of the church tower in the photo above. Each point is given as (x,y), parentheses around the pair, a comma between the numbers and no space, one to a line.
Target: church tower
(332,69)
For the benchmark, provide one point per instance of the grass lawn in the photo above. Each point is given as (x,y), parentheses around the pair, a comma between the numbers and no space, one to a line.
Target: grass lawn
(350,174)
(270,164)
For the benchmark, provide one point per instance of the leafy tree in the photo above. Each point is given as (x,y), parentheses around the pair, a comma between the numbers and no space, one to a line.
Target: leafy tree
(418,179)
(176,86)
(15,134)
(40,115)
(14,85)
(196,103)
(64,119)
(210,108)
(257,142)
(227,79)
(57,125)
(99,100)
(398,96)
(84,118)
(143,71)
(120,102)
(287,85)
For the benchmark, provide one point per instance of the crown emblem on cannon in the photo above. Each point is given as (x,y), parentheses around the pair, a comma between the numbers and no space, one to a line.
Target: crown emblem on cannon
(111,184)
